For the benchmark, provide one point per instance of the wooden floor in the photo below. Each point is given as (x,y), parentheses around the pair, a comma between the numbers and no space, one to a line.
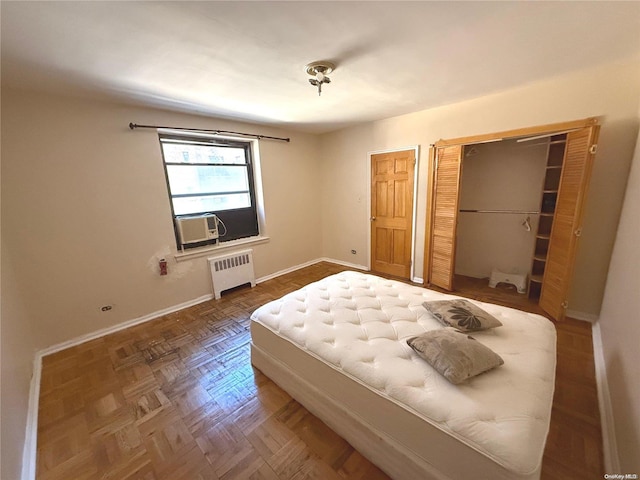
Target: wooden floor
(177,398)
(503,293)
(574,443)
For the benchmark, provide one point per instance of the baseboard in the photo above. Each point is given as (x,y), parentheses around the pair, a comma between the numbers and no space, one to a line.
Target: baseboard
(287,270)
(31,433)
(145,318)
(308,264)
(586,317)
(355,266)
(30,446)
(609,443)
(121,326)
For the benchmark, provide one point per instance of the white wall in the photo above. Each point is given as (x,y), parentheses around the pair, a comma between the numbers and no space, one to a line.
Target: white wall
(18,348)
(499,176)
(85,217)
(87,212)
(620,326)
(610,91)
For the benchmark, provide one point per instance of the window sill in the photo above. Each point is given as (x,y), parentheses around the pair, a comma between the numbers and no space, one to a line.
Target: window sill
(223,247)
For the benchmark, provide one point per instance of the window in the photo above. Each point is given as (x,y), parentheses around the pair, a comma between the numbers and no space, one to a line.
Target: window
(211,175)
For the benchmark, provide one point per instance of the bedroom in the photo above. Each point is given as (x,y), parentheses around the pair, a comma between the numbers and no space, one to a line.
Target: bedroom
(67,151)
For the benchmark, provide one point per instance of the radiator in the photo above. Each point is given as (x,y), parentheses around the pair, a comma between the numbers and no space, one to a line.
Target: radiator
(228,271)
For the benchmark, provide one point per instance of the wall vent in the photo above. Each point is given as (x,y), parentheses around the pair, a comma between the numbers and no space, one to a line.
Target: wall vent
(228,271)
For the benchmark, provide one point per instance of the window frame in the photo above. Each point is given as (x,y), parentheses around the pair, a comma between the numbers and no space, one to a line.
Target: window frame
(250,165)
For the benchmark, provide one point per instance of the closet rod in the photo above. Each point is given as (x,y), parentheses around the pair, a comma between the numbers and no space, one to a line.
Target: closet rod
(528,212)
(546,135)
(215,132)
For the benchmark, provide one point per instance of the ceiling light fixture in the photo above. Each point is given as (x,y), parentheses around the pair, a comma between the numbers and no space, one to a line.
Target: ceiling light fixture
(319,70)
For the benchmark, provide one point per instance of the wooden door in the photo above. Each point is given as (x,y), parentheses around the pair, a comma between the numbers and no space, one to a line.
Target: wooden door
(567,221)
(392,212)
(445,189)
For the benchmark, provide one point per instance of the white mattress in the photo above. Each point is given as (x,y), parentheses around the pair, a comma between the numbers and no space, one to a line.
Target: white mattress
(346,335)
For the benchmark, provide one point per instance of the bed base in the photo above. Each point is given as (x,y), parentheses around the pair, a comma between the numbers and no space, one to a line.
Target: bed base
(391,457)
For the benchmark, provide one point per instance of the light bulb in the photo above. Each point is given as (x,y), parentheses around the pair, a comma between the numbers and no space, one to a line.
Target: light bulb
(320,76)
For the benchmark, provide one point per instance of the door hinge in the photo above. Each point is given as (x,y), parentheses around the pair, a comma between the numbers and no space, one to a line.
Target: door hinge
(578,232)
(564,304)
(593,149)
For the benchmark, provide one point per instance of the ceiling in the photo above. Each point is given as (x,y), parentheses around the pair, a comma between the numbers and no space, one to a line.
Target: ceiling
(245,60)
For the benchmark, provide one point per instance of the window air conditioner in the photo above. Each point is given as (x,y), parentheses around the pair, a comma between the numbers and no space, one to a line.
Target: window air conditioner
(197,229)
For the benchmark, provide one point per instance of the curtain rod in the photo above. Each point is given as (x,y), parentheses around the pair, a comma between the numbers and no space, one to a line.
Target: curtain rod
(133,126)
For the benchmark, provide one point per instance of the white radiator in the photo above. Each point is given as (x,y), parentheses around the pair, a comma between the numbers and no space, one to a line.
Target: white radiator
(228,271)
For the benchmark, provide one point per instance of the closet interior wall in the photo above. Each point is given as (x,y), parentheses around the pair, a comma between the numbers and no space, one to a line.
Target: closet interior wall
(499,179)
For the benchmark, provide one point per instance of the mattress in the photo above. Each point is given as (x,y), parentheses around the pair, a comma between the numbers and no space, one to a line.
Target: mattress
(344,339)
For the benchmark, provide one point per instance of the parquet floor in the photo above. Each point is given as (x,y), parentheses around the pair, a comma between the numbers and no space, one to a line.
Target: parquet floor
(177,398)
(574,443)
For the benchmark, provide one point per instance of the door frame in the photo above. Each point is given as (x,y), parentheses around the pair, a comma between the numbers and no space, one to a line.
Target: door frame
(546,129)
(416,153)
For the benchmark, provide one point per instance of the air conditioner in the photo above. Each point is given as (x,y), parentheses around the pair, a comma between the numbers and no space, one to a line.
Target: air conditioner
(197,229)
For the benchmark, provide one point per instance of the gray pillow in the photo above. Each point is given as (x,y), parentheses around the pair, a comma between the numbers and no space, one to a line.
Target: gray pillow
(462,315)
(454,355)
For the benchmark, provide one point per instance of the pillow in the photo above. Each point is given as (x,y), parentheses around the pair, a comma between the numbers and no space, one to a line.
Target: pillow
(454,355)
(462,315)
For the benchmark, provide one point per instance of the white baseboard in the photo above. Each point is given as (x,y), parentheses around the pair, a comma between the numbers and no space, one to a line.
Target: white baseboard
(344,264)
(612,463)
(309,263)
(287,270)
(30,446)
(174,308)
(31,432)
(609,443)
(586,317)
(121,326)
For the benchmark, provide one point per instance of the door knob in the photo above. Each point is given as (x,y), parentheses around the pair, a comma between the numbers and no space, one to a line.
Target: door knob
(373,219)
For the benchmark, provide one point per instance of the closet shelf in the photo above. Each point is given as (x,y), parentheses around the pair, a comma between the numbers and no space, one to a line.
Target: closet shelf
(552,181)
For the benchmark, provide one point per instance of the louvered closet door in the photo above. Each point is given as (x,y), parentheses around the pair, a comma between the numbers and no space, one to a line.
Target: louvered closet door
(445,216)
(567,221)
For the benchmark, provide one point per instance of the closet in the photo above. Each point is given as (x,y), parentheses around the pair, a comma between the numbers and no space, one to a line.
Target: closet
(570,147)
(501,185)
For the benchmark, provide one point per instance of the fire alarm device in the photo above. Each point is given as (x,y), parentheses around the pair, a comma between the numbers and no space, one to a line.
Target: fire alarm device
(163,266)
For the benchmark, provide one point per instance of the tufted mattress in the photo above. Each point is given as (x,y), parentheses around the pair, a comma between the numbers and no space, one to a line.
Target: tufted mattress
(339,347)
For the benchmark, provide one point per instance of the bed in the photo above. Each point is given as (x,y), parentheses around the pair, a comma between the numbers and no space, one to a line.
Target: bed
(338,346)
